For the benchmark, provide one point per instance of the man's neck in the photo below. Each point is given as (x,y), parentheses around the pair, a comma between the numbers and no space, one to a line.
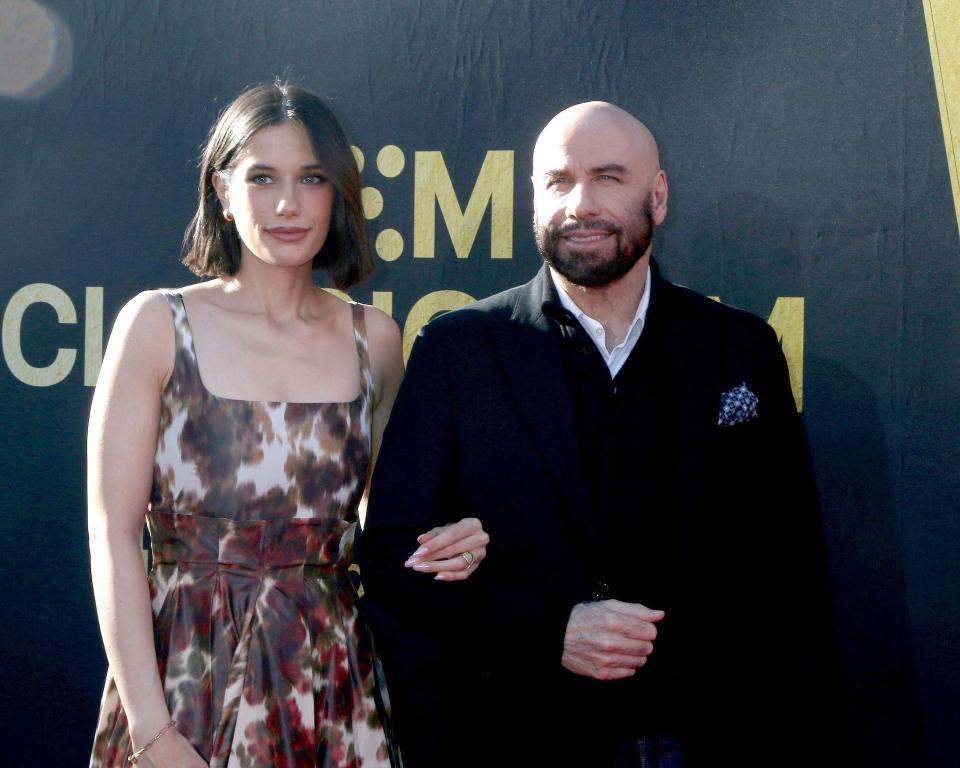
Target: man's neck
(613,305)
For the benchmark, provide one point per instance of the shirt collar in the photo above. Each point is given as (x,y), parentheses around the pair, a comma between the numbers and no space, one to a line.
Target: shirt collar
(560,295)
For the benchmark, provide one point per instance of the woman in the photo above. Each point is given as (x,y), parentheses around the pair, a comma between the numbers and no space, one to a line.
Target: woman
(244,414)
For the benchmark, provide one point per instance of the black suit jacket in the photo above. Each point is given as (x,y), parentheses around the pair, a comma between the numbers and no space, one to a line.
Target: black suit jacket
(483,427)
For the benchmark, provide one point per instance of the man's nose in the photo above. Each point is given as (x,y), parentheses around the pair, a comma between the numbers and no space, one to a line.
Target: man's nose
(581,202)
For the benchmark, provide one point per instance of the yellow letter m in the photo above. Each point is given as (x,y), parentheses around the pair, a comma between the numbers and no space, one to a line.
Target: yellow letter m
(494,187)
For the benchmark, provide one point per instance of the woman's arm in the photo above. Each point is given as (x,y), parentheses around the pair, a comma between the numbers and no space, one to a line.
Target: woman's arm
(386,364)
(121,441)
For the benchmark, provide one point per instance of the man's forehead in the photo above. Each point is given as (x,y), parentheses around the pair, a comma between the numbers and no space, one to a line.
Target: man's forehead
(591,153)
(594,135)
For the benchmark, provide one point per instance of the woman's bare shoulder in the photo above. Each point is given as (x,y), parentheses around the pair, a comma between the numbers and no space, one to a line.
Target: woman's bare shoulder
(382,330)
(147,312)
(143,335)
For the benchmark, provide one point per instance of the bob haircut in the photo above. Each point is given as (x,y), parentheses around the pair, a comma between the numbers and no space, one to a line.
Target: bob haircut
(211,244)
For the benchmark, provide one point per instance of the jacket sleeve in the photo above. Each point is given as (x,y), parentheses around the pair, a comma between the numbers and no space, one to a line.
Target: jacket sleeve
(416,486)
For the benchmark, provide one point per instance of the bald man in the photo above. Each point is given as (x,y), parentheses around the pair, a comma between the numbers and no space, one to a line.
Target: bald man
(654,591)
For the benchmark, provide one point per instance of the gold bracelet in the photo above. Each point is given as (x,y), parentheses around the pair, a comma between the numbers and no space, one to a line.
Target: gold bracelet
(133,758)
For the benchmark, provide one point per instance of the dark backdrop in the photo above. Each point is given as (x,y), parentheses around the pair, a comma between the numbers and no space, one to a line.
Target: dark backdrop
(806,159)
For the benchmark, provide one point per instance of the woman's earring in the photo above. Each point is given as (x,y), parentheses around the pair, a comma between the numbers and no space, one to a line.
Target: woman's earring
(227,215)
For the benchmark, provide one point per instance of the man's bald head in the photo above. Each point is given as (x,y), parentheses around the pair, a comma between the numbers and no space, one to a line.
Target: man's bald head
(599,193)
(598,120)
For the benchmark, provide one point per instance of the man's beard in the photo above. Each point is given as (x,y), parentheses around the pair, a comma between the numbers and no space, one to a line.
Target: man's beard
(593,269)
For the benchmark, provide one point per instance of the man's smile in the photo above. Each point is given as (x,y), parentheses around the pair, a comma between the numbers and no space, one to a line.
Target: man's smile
(586,237)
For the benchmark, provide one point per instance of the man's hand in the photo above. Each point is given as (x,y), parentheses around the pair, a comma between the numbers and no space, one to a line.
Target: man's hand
(609,639)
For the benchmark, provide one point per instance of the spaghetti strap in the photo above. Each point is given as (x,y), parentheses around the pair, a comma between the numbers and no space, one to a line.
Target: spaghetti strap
(363,352)
(185,355)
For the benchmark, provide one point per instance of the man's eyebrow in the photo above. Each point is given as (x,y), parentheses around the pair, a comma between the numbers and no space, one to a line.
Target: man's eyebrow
(595,171)
(609,168)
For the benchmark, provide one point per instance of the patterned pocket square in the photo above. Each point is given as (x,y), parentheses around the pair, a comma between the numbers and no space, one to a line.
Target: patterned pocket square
(737,406)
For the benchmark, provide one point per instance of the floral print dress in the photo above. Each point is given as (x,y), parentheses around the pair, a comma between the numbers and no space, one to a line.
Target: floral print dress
(262,654)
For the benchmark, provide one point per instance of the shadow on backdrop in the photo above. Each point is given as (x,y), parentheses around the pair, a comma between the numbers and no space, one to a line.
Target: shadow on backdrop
(761,251)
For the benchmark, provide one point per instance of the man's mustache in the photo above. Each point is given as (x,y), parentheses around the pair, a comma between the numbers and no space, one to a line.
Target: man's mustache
(573,226)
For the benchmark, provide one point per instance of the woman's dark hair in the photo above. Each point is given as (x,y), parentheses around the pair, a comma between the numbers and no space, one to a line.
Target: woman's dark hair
(211,244)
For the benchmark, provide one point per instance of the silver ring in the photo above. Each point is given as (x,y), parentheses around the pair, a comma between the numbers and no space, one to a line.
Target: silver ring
(469,558)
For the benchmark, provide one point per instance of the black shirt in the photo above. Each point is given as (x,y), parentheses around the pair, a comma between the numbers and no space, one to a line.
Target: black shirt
(624,438)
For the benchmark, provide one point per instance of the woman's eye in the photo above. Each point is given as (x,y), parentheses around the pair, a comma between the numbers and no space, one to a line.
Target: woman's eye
(315,178)
(260,178)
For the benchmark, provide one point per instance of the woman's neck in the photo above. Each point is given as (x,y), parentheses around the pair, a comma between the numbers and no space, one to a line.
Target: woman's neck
(281,294)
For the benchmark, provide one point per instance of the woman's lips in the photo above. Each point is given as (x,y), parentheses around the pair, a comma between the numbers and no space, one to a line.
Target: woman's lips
(288,234)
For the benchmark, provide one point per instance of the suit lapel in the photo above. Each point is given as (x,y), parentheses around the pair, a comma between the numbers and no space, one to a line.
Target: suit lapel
(530,355)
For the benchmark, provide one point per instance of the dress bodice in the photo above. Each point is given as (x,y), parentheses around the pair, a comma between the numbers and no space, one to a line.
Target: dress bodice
(252,460)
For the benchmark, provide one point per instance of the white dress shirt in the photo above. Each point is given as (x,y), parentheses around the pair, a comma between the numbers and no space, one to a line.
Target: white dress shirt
(617,356)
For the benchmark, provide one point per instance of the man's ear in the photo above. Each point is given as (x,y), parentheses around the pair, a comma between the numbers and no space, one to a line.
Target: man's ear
(658,198)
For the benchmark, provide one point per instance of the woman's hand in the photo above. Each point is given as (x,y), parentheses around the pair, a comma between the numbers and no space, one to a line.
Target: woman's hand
(452,552)
(172,750)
